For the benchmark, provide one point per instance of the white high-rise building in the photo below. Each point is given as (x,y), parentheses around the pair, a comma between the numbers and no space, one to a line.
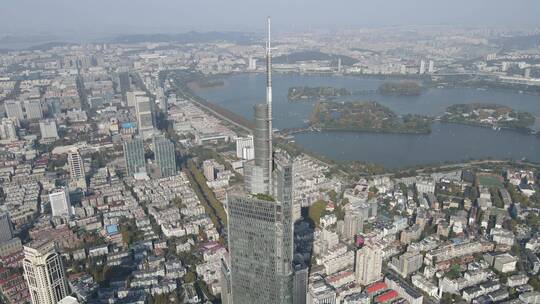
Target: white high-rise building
(252,63)
(14,109)
(44,272)
(368,268)
(422,67)
(244,147)
(48,129)
(76,169)
(145,122)
(59,200)
(8,130)
(431,67)
(33,109)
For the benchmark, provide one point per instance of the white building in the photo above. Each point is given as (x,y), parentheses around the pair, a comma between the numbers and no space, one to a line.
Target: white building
(48,129)
(33,109)
(59,200)
(44,272)
(369,263)
(14,109)
(244,147)
(76,169)
(8,130)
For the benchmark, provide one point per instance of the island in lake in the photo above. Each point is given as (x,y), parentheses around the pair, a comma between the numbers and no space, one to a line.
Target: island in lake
(366,116)
(210,83)
(403,88)
(489,115)
(315,93)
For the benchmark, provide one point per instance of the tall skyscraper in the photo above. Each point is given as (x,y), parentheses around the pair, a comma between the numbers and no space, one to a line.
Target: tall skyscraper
(165,156)
(14,109)
(33,109)
(368,268)
(134,156)
(60,203)
(431,67)
(76,169)
(258,174)
(259,225)
(145,119)
(6,228)
(48,129)
(44,272)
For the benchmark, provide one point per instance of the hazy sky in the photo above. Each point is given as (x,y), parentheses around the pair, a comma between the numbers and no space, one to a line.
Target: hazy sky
(130,16)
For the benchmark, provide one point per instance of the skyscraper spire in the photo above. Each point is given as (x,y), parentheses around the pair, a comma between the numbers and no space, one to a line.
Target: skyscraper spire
(269,97)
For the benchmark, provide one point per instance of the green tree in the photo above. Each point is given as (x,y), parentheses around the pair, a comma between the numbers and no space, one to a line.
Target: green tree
(316,211)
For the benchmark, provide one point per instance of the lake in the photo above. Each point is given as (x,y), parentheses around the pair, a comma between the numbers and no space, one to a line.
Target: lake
(446,142)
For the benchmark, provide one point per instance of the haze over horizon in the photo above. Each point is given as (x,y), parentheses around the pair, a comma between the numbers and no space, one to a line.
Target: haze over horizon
(100,17)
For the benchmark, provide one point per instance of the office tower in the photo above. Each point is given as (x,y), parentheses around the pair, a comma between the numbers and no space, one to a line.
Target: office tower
(125,82)
(76,169)
(300,284)
(368,263)
(60,203)
(134,156)
(259,225)
(431,67)
(8,130)
(33,109)
(14,109)
(355,215)
(244,147)
(44,272)
(407,263)
(339,65)
(145,120)
(48,130)
(165,156)
(422,67)
(6,228)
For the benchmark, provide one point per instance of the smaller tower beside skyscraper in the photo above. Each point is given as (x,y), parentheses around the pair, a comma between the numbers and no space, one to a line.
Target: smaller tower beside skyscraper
(76,169)
(422,67)
(165,156)
(431,67)
(44,272)
(134,156)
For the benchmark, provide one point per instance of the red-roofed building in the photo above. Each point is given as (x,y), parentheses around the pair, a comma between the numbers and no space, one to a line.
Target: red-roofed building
(376,287)
(387,296)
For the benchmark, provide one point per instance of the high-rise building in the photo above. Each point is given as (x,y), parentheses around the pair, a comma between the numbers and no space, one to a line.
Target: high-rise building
(407,263)
(368,268)
(8,130)
(125,82)
(165,156)
(48,129)
(33,109)
(355,215)
(300,284)
(225,280)
(252,63)
(145,119)
(422,67)
(431,67)
(209,170)
(14,109)
(76,169)
(259,226)
(6,228)
(60,203)
(44,272)
(244,147)
(134,156)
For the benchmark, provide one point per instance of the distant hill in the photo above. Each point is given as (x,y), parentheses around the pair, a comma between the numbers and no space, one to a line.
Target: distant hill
(189,37)
(518,42)
(313,55)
